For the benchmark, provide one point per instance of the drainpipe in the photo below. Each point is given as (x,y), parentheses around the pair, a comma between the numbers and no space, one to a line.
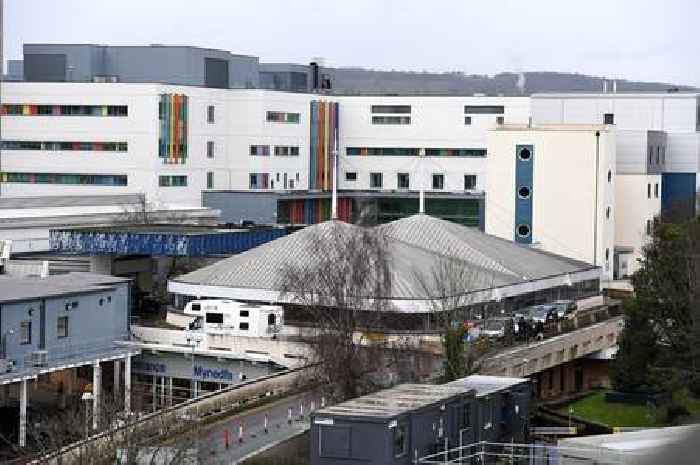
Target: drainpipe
(595,216)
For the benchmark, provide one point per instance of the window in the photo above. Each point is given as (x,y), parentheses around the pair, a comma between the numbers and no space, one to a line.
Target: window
(375,180)
(210,180)
(62,327)
(271,319)
(243,326)
(74,304)
(608,118)
(484,109)
(524,192)
(401,109)
(467,120)
(469,182)
(523,230)
(351,176)
(438,181)
(499,120)
(245,313)
(282,117)
(210,114)
(260,150)
(63,110)
(400,441)
(297,177)
(25,332)
(608,210)
(210,149)
(648,228)
(391,120)
(658,154)
(259,180)
(609,176)
(648,191)
(663,154)
(172,181)
(607,254)
(68,146)
(291,184)
(524,154)
(402,181)
(651,154)
(656,190)
(215,318)
(286,151)
(383,151)
(70,179)
(445,152)
(101,301)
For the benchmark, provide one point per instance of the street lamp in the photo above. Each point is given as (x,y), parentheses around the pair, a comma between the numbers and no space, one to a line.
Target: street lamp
(193,341)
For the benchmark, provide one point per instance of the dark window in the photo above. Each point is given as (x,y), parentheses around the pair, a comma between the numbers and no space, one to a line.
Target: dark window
(400,441)
(484,109)
(649,223)
(210,180)
(74,304)
(210,114)
(402,109)
(62,326)
(25,332)
(524,154)
(391,120)
(214,318)
(244,326)
(375,180)
(524,192)
(608,118)
(523,230)
(210,149)
(499,120)
(260,150)
(648,191)
(351,176)
(101,302)
(382,151)
(609,176)
(402,181)
(658,154)
(438,181)
(447,152)
(469,181)
(467,120)
(608,210)
(245,313)
(607,254)
(271,319)
(656,190)
(172,181)
(282,117)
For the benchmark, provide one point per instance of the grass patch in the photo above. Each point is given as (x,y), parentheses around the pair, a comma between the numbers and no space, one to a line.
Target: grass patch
(595,408)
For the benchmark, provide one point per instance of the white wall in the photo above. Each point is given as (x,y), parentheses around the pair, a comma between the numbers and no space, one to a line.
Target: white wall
(563,196)
(636,208)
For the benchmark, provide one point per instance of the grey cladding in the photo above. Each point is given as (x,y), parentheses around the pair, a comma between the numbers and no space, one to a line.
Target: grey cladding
(45,67)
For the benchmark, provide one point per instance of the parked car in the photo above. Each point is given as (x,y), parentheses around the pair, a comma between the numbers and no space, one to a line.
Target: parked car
(497,327)
(564,308)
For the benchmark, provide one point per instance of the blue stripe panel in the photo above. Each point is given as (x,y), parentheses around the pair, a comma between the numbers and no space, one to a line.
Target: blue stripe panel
(170,244)
(678,195)
(524,159)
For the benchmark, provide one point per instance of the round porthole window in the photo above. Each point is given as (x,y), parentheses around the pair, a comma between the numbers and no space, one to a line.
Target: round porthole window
(524,154)
(524,192)
(523,230)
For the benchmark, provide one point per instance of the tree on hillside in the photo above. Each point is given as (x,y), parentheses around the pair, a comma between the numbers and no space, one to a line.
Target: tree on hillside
(342,295)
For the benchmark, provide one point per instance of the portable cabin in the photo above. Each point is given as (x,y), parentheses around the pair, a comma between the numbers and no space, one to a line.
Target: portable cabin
(235,318)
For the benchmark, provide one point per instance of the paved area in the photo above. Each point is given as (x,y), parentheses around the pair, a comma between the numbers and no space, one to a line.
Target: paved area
(212,444)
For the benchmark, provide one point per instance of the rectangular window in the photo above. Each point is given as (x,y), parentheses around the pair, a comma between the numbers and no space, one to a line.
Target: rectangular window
(467,120)
(351,176)
(469,182)
(400,109)
(484,109)
(259,180)
(286,151)
(651,154)
(260,150)
(499,120)
(658,154)
(402,181)
(649,224)
(68,146)
(282,117)
(62,326)
(438,181)
(25,332)
(375,180)
(383,151)
(172,181)
(24,109)
(446,152)
(62,178)
(391,120)
(608,118)
(210,114)
(656,190)
(210,180)
(245,313)
(216,318)
(648,191)
(210,149)
(243,326)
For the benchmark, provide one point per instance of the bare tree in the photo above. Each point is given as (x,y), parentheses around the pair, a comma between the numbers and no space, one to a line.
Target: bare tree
(343,293)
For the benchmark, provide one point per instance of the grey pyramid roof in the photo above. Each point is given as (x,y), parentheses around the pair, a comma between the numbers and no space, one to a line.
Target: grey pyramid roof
(415,244)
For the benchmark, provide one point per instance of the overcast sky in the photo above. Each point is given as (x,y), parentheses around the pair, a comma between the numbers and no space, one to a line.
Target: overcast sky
(651,40)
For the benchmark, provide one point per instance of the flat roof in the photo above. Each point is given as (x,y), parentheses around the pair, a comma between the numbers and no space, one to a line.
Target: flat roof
(394,401)
(679,94)
(18,289)
(553,127)
(485,385)
(159,228)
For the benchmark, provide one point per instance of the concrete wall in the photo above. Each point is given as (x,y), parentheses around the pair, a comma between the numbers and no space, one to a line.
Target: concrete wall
(564,206)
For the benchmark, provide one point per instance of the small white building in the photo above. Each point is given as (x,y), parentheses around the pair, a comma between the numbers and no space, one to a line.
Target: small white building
(553,187)
(229,317)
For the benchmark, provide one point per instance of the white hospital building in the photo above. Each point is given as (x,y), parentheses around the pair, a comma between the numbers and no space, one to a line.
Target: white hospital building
(257,140)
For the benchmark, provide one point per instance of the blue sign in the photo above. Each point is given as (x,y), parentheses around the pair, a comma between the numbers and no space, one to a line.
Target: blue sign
(221,374)
(149,367)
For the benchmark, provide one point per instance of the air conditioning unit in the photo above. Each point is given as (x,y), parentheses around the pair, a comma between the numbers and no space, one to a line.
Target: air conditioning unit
(6,366)
(40,358)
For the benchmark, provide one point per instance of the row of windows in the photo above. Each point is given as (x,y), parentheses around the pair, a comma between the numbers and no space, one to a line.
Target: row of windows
(484,109)
(80,146)
(25,330)
(282,117)
(403,180)
(413,151)
(391,120)
(263,181)
(172,181)
(280,150)
(499,120)
(660,155)
(400,109)
(656,190)
(63,110)
(70,179)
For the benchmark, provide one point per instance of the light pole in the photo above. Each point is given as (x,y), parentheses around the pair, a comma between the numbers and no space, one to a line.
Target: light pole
(193,341)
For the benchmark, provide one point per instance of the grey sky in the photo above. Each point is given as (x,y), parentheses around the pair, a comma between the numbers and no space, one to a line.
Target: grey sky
(636,39)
